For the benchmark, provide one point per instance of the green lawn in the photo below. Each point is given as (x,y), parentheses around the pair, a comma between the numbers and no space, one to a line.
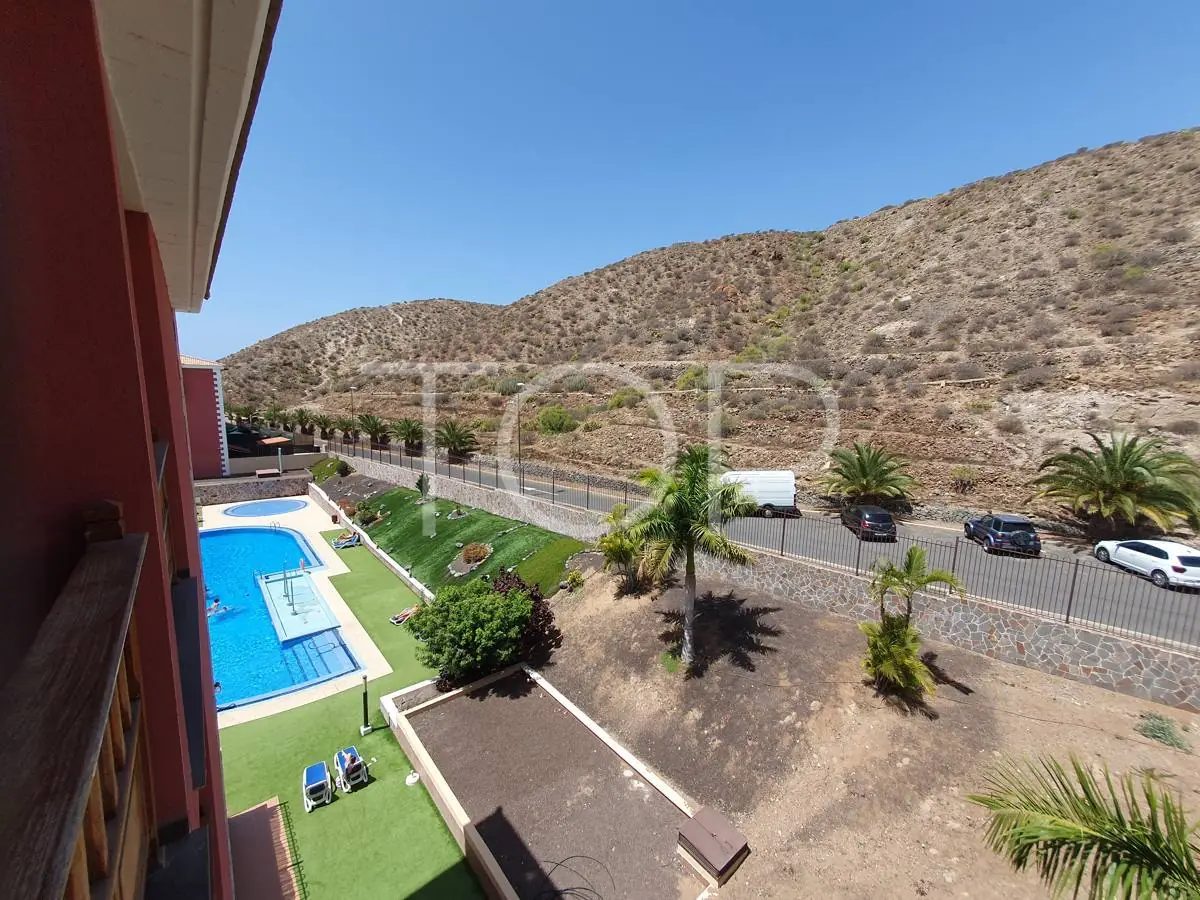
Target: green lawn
(538,554)
(326,468)
(386,840)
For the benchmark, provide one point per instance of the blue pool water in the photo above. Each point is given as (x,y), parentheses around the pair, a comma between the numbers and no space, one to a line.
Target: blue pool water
(249,661)
(267,507)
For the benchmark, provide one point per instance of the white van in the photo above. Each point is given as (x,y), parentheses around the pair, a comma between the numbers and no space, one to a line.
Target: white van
(774,490)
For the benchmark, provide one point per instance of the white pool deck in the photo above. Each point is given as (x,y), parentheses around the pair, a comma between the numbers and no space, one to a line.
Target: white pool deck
(310,522)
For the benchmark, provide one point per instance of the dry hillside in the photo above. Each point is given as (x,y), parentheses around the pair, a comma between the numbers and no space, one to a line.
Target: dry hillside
(982,327)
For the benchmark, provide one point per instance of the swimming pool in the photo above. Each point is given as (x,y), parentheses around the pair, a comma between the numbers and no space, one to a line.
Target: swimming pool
(267,507)
(249,660)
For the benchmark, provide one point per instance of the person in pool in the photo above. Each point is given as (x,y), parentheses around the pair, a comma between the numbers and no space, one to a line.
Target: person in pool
(216,607)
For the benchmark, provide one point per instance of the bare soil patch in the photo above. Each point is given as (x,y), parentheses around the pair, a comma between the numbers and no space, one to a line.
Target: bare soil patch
(563,814)
(839,793)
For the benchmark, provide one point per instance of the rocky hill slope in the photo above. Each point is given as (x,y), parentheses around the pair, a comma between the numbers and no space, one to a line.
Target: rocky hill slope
(983,327)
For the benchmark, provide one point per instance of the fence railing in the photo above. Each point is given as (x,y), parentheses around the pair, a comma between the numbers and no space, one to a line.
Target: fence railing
(1076,590)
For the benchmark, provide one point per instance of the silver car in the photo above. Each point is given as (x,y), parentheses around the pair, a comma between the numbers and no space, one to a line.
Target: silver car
(1166,563)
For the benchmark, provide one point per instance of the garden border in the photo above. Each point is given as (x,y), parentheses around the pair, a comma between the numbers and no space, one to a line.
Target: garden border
(495,884)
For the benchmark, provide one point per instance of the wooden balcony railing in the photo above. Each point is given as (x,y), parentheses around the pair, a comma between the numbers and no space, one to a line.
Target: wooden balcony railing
(76,820)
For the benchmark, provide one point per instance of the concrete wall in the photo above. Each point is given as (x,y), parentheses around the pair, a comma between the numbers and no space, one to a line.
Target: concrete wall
(568,520)
(1002,632)
(232,490)
(244,465)
(205,422)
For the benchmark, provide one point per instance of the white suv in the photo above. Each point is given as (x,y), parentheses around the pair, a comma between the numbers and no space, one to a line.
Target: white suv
(1163,562)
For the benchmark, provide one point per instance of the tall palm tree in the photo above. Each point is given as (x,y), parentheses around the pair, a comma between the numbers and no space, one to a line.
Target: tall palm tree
(303,418)
(689,504)
(412,433)
(457,440)
(1124,479)
(1088,836)
(375,428)
(867,472)
(325,423)
(905,580)
(348,427)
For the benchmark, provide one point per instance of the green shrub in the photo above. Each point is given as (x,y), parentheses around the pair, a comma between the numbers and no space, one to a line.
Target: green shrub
(555,420)
(486,423)
(343,468)
(576,383)
(625,398)
(893,657)
(694,379)
(1160,728)
(964,478)
(506,387)
(574,580)
(470,630)
(592,425)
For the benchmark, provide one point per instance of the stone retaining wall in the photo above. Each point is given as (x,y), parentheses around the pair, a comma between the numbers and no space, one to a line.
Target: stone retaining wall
(568,520)
(1000,631)
(997,630)
(234,490)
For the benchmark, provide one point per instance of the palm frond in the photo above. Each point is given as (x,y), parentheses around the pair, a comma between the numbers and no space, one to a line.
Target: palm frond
(1083,833)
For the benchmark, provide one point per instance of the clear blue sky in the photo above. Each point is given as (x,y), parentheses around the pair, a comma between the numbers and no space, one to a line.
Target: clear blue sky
(483,150)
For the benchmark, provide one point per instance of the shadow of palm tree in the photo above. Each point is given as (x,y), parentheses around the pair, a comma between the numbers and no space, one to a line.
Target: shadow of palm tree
(903,702)
(726,627)
(941,676)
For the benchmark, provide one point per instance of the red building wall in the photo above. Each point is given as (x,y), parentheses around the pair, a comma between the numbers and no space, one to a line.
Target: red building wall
(203,420)
(89,364)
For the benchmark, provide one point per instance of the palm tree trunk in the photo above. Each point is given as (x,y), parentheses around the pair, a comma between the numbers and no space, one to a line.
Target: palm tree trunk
(687,653)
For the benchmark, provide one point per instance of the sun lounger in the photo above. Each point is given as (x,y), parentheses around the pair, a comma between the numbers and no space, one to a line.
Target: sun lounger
(343,543)
(349,773)
(403,616)
(316,785)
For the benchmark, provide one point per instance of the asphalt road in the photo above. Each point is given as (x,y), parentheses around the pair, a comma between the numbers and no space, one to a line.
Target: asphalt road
(1064,582)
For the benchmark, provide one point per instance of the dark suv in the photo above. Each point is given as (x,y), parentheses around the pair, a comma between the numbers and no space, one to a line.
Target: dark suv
(1005,533)
(870,523)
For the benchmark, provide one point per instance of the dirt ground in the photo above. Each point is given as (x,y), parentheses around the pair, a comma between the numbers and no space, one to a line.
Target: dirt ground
(563,814)
(839,793)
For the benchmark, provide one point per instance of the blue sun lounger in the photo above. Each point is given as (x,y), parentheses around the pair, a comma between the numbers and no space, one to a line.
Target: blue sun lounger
(349,773)
(316,785)
(351,541)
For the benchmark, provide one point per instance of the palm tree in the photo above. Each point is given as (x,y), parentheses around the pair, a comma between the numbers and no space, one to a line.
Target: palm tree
(422,485)
(458,440)
(304,419)
(689,504)
(375,428)
(271,413)
(1088,836)
(905,580)
(622,551)
(867,472)
(325,423)
(412,433)
(348,427)
(893,657)
(1128,478)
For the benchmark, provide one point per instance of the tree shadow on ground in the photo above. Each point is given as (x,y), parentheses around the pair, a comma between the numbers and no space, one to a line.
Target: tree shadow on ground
(941,676)
(726,627)
(903,702)
(510,687)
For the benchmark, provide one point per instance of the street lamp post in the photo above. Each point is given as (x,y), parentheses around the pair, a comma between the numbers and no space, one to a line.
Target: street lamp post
(366,725)
(520,465)
(352,390)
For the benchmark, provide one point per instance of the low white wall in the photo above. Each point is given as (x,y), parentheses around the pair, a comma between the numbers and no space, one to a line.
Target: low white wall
(323,501)
(244,465)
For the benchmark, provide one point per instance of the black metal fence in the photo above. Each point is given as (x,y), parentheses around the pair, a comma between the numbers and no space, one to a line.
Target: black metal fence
(1073,589)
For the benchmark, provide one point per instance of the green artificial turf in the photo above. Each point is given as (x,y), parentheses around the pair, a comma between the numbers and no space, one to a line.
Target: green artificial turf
(384,840)
(538,554)
(326,468)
